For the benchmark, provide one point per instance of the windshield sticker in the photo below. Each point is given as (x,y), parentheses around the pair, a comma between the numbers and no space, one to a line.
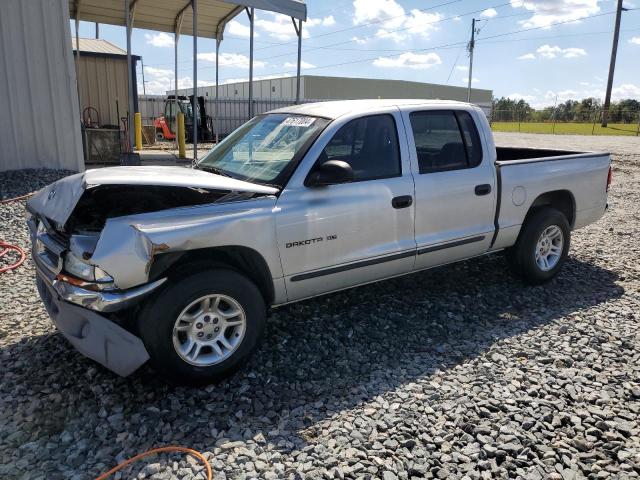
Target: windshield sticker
(298,121)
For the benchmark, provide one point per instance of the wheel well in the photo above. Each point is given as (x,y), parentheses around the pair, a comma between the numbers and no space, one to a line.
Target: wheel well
(561,200)
(243,259)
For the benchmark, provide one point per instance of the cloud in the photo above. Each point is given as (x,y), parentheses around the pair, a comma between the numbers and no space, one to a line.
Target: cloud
(161,40)
(328,21)
(489,13)
(463,68)
(240,30)
(547,12)
(230,60)
(302,65)
(159,80)
(358,40)
(548,51)
(626,90)
(280,26)
(635,40)
(520,96)
(457,19)
(409,60)
(465,80)
(391,16)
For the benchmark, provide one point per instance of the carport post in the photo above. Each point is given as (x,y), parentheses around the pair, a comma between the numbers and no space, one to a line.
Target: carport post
(298,28)
(129,75)
(176,39)
(251,13)
(218,39)
(194,8)
(78,66)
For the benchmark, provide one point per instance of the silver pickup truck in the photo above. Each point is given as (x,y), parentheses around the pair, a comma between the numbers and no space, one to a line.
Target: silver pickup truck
(179,265)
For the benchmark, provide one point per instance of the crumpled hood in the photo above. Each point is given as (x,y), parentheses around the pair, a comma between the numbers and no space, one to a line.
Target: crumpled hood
(57,201)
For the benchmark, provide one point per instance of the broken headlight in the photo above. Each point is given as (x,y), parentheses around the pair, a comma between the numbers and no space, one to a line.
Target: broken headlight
(79,268)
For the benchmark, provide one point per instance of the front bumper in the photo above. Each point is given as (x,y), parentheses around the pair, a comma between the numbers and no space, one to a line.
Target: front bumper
(92,334)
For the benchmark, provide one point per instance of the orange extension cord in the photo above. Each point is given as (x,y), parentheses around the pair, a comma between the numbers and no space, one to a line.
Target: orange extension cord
(153,451)
(7,247)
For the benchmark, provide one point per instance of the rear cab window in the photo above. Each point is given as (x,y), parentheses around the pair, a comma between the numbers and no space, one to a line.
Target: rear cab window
(445,140)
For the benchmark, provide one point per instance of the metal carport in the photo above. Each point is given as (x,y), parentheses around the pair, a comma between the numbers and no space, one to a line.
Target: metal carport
(208,19)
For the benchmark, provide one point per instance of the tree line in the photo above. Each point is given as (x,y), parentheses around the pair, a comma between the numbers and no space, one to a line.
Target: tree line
(585,110)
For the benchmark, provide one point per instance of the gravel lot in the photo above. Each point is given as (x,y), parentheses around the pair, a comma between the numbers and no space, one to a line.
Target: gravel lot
(459,372)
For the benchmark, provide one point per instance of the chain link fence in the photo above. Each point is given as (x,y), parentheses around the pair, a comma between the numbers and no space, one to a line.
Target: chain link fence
(560,121)
(232,112)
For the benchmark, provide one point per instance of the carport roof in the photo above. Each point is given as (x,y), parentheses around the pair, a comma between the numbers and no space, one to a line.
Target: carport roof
(162,15)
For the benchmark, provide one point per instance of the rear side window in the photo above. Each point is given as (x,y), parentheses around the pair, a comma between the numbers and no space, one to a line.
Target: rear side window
(369,145)
(445,140)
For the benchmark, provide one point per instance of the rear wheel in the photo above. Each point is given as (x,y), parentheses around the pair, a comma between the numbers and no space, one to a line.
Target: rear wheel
(204,327)
(542,246)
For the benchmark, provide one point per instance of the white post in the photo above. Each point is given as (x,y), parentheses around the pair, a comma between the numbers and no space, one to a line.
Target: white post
(176,38)
(299,32)
(194,7)
(251,14)
(130,77)
(215,120)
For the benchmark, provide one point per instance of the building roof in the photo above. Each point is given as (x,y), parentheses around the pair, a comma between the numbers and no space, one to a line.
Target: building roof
(335,109)
(164,15)
(94,45)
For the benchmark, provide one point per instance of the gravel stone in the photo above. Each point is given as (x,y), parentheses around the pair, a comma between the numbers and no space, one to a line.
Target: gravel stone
(457,372)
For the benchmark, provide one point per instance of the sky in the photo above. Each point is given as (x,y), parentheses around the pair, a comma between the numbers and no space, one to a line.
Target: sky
(537,50)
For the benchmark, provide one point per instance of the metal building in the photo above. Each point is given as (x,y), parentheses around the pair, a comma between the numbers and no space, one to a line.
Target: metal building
(231,109)
(343,88)
(102,79)
(39,121)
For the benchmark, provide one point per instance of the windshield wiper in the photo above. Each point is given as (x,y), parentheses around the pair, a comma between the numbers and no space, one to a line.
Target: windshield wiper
(215,170)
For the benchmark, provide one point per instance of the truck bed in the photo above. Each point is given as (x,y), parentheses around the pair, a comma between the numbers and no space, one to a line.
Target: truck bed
(513,154)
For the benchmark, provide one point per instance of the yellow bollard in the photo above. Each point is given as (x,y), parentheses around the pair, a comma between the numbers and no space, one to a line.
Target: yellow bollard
(181,149)
(137,123)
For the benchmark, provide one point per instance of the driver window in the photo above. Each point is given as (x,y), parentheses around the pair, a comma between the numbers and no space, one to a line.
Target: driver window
(369,145)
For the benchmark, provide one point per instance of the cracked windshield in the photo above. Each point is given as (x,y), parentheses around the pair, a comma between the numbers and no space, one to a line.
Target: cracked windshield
(260,150)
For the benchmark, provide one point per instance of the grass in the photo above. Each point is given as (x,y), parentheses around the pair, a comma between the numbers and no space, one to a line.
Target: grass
(566,128)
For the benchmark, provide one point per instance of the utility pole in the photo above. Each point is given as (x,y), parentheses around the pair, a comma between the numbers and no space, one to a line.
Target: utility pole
(470,47)
(612,65)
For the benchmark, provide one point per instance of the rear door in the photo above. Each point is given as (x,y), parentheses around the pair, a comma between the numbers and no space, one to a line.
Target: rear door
(455,186)
(338,236)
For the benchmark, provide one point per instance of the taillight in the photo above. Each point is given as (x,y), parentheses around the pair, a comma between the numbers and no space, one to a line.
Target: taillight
(609,178)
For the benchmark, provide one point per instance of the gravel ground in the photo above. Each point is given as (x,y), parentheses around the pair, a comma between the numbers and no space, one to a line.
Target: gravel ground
(459,372)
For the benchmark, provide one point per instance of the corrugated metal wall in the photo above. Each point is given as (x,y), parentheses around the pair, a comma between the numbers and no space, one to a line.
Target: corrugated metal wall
(102,81)
(39,124)
(233,113)
(273,88)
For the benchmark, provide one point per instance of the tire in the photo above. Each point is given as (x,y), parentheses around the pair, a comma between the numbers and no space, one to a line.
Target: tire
(160,315)
(522,256)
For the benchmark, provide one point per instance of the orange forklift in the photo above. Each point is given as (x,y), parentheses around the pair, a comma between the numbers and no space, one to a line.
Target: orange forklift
(166,125)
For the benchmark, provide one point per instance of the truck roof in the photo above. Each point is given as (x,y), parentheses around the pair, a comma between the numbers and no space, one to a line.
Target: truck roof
(337,108)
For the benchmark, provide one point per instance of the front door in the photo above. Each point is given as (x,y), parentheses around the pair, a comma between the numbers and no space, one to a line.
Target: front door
(338,236)
(455,186)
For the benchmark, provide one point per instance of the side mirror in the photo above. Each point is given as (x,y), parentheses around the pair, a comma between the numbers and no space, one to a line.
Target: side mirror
(330,172)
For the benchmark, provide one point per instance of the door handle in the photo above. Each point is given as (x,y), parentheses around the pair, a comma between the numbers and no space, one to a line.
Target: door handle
(402,201)
(483,189)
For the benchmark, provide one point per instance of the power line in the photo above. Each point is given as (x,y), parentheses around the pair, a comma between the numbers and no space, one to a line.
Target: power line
(451,45)
(375,22)
(454,44)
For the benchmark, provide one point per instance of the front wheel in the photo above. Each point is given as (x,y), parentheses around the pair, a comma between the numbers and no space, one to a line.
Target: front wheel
(542,246)
(204,327)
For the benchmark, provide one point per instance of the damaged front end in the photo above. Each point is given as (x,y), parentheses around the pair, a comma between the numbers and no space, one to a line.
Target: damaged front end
(92,266)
